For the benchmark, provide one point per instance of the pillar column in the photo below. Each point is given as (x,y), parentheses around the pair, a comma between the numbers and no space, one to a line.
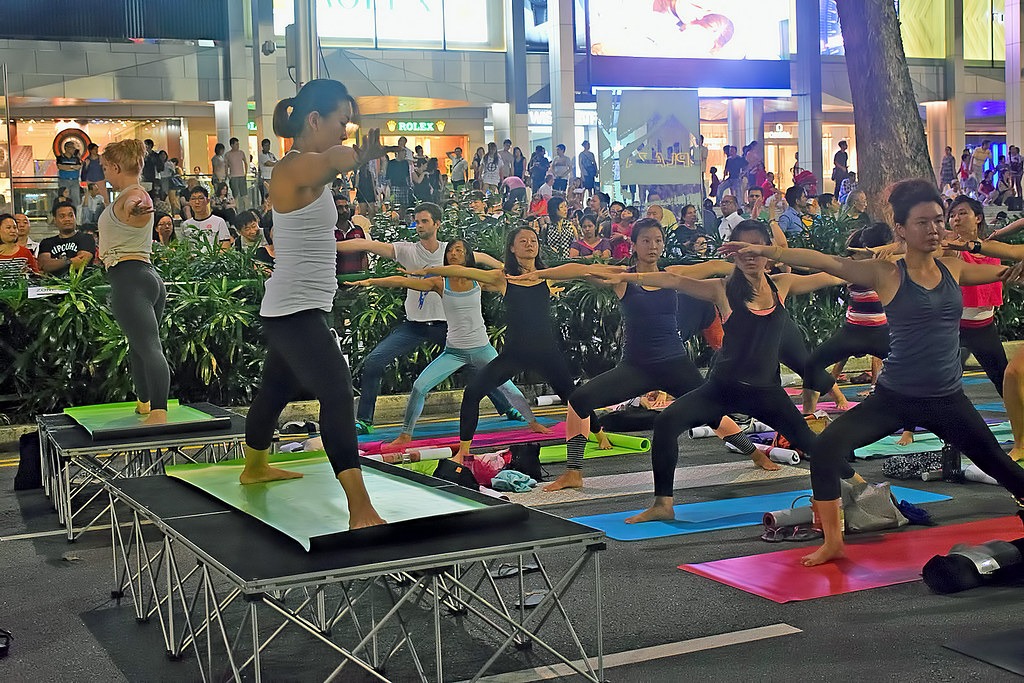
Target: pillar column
(264,82)
(236,74)
(308,63)
(807,88)
(561,71)
(736,116)
(753,121)
(1014,21)
(515,76)
(936,129)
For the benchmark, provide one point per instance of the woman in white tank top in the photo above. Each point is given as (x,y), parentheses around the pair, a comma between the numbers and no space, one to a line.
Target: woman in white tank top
(302,354)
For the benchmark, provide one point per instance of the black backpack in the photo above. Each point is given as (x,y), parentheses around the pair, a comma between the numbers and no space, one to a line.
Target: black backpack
(29,476)
(526,459)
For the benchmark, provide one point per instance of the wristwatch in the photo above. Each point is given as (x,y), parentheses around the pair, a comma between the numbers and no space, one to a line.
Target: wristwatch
(975,247)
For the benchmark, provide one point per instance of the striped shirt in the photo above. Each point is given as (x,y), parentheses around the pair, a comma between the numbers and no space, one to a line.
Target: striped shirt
(865,308)
(18,265)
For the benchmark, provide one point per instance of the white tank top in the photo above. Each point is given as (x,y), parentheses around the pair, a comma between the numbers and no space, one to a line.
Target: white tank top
(118,239)
(305,256)
(466,329)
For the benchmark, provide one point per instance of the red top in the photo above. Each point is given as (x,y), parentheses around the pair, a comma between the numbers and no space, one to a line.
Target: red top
(18,263)
(979,296)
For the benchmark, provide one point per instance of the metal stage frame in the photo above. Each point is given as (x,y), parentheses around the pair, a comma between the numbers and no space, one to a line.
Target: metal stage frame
(74,466)
(225,586)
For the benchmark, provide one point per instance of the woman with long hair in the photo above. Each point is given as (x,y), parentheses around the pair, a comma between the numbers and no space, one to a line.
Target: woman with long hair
(302,354)
(559,234)
(920,383)
(475,165)
(590,244)
(466,343)
(137,294)
(518,163)
(163,229)
(531,339)
(490,172)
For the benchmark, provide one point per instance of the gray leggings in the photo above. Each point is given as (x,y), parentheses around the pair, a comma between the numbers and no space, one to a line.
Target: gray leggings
(137,298)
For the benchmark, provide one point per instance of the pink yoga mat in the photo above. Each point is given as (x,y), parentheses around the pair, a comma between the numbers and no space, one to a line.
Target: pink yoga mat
(829,406)
(871,562)
(503,438)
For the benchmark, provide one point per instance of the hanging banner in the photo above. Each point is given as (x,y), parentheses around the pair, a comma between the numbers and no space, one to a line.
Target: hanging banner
(658,131)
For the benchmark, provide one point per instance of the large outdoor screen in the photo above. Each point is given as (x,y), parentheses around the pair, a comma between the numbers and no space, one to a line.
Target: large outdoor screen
(687,44)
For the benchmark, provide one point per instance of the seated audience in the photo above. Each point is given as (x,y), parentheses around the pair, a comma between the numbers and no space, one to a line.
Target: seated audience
(69,248)
(16,261)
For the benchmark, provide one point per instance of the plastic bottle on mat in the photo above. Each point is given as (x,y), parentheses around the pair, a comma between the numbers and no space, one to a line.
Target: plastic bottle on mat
(816,520)
(951,466)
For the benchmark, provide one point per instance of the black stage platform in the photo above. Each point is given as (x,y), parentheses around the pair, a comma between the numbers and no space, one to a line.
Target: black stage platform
(218,574)
(73,462)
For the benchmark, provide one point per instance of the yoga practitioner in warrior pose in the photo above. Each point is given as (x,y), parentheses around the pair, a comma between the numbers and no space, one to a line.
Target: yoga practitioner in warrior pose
(137,294)
(920,382)
(653,356)
(466,343)
(745,377)
(531,342)
(301,351)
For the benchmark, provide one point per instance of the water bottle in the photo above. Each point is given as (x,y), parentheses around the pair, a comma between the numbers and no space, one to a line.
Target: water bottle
(951,470)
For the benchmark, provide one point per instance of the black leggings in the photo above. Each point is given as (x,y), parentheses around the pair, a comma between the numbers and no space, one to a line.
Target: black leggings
(677,376)
(794,355)
(545,360)
(849,341)
(304,357)
(988,350)
(952,418)
(137,299)
(707,404)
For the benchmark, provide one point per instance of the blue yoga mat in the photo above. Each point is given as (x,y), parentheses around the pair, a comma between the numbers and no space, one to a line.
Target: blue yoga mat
(695,518)
(996,407)
(427,430)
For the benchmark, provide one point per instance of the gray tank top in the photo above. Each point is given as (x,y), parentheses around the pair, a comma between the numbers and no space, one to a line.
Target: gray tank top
(924,337)
(119,240)
(466,329)
(305,254)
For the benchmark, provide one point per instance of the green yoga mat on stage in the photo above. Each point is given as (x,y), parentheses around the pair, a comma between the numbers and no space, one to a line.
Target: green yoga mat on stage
(108,420)
(924,442)
(314,506)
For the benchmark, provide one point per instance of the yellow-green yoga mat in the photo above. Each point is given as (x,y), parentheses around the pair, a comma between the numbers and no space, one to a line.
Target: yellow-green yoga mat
(622,444)
(314,507)
(109,420)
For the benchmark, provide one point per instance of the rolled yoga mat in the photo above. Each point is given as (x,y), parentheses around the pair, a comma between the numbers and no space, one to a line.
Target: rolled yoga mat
(876,561)
(782,456)
(622,444)
(788,517)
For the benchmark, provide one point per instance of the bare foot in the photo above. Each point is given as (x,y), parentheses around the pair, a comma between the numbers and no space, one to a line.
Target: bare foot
(825,553)
(907,438)
(1017,453)
(259,475)
(843,405)
(142,407)
(156,417)
(659,512)
(363,515)
(762,460)
(570,479)
(460,456)
(539,428)
(402,439)
(603,444)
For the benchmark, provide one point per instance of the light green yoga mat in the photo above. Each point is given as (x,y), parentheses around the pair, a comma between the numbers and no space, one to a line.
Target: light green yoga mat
(119,416)
(315,505)
(924,442)
(622,444)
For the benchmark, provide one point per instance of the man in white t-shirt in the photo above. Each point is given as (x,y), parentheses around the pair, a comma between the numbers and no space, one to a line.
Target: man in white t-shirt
(459,169)
(424,314)
(204,225)
(731,216)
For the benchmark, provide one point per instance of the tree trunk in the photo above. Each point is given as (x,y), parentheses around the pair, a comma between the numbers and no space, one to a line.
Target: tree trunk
(890,134)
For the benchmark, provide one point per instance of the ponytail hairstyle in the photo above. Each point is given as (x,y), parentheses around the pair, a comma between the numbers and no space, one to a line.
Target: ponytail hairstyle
(321,95)
(738,289)
(127,154)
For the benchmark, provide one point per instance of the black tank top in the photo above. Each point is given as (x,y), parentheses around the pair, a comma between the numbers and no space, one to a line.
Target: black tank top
(649,323)
(528,316)
(750,348)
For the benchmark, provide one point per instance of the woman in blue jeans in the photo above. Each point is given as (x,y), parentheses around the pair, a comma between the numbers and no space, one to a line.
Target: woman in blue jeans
(466,343)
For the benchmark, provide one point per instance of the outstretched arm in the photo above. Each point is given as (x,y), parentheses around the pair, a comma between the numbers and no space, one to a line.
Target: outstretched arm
(567,271)
(486,260)
(706,290)
(373,246)
(974,273)
(432,284)
(1011,229)
(989,247)
(804,284)
(487,277)
(869,273)
(703,271)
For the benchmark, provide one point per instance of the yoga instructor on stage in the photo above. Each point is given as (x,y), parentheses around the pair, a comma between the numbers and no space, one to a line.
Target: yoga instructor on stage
(301,351)
(137,294)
